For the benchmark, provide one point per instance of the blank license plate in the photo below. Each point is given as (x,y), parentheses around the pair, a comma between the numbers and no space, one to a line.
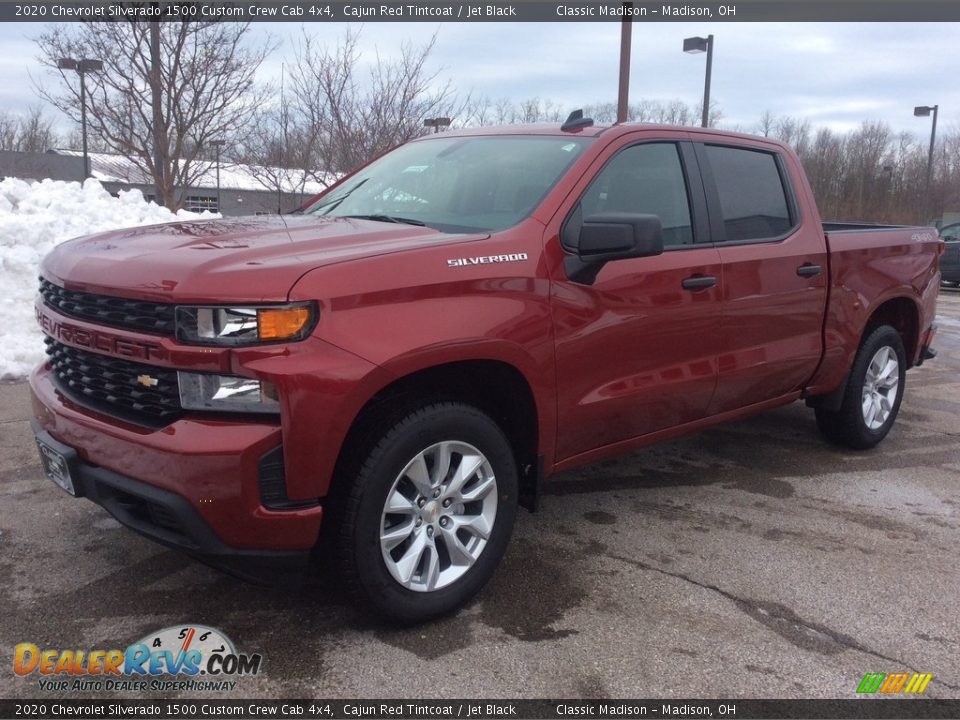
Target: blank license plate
(56,467)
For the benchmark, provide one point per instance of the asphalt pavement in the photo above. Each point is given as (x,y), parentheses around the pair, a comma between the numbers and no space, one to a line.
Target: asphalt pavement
(751,560)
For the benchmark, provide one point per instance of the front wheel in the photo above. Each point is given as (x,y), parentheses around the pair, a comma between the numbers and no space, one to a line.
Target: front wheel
(873,395)
(429,513)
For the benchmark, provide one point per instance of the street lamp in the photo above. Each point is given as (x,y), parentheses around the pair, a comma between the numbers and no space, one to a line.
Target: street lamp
(218,144)
(437,123)
(694,45)
(82,67)
(926,111)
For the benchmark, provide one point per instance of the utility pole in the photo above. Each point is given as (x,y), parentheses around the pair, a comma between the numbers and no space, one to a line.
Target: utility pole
(218,144)
(626,32)
(159,155)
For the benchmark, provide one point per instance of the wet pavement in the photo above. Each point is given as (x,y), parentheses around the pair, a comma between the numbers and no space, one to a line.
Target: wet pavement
(751,560)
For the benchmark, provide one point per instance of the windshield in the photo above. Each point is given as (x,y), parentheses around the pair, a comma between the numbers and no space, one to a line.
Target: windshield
(458,184)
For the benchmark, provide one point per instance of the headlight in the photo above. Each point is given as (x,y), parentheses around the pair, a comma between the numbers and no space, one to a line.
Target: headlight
(227,393)
(210,325)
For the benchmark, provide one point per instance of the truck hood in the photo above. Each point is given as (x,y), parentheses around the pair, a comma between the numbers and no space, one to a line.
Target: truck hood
(246,259)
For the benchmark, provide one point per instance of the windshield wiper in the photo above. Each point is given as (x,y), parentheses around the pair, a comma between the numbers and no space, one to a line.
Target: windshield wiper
(335,201)
(389,219)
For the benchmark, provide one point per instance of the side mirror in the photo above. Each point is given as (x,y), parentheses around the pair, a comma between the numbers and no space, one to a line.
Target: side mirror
(612,236)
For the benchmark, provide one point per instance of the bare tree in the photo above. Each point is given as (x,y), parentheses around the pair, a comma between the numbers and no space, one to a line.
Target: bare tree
(536,110)
(479,113)
(605,112)
(353,115)
(539,110)
(767,123)
(30,133)
(74,141)
(166,90)
(9,131)
(279,153)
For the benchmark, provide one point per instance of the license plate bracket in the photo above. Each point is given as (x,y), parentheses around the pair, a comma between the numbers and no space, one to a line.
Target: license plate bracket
(57,467)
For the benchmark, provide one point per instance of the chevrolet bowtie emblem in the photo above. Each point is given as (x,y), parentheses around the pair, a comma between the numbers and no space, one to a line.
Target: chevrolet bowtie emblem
(147,381)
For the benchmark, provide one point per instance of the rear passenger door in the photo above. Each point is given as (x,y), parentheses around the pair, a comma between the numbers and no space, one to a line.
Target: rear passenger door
(775,274)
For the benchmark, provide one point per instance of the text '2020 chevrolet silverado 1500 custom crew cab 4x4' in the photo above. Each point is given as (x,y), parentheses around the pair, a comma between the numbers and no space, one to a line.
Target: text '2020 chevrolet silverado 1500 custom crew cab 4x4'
(389,373)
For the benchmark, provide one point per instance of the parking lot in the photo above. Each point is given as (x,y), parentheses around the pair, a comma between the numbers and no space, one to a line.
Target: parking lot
(751,560)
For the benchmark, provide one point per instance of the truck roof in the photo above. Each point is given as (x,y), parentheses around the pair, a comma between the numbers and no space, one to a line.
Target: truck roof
(595,130)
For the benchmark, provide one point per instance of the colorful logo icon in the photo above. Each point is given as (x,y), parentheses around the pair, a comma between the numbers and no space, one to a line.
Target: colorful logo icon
(894,683)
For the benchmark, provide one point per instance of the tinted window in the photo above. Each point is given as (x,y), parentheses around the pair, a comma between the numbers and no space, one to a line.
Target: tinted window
(752,198)
(645,179)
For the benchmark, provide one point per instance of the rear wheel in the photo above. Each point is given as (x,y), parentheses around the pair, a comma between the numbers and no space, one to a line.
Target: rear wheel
(429,512)
(874,391)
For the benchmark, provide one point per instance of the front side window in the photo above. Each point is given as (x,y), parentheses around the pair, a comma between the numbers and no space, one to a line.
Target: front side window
(456,184)
(753,200)
(645,179)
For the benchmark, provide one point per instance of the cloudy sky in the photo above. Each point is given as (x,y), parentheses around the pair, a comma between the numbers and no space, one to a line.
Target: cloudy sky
(835,74)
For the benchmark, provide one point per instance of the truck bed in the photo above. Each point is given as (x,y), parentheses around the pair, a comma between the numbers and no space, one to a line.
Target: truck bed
(869,261)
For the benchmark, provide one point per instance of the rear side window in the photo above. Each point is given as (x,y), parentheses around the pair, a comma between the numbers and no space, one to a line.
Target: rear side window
(753,200)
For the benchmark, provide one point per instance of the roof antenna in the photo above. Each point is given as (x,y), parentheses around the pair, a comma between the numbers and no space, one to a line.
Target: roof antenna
(576,122)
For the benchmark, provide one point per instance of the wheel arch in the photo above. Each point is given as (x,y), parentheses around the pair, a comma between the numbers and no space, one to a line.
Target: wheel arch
(903,315)
(496,388)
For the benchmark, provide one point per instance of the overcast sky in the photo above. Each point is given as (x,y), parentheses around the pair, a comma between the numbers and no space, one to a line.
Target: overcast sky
(835,74)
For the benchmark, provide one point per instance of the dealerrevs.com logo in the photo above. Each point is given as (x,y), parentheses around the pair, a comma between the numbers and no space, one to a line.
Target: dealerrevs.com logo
(177,658)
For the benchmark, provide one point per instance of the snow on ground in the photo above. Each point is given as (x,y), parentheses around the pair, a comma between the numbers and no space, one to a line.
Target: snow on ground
(33,218)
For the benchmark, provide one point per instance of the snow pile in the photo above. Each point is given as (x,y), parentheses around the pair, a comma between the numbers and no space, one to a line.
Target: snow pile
(34,217)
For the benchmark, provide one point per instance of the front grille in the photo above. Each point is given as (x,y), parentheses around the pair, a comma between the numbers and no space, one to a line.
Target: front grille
(115,386)
(113,311)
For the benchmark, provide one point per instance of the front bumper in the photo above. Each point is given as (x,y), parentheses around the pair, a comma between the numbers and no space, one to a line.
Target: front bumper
(193,485)
(170,520)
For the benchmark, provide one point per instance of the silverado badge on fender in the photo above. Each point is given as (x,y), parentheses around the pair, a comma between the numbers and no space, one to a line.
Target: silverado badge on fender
(486,260)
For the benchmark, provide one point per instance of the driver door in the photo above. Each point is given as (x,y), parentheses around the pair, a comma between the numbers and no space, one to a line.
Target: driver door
(636,350)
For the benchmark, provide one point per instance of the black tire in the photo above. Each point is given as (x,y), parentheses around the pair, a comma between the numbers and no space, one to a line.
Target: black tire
(376,472)
(848,426)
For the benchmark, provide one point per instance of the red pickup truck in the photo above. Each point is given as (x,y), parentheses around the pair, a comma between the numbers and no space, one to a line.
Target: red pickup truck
(390,372)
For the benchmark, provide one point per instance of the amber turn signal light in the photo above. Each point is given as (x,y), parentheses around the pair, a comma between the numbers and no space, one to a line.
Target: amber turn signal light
(281,323)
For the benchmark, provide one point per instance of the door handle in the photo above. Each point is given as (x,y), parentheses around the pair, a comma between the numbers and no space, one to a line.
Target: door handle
(699,282)
(808,270)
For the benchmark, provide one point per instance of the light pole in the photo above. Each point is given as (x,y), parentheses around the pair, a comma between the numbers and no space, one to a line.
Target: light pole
(82,67)
(694,45)
(437,123)
(218,144)
(926,111)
